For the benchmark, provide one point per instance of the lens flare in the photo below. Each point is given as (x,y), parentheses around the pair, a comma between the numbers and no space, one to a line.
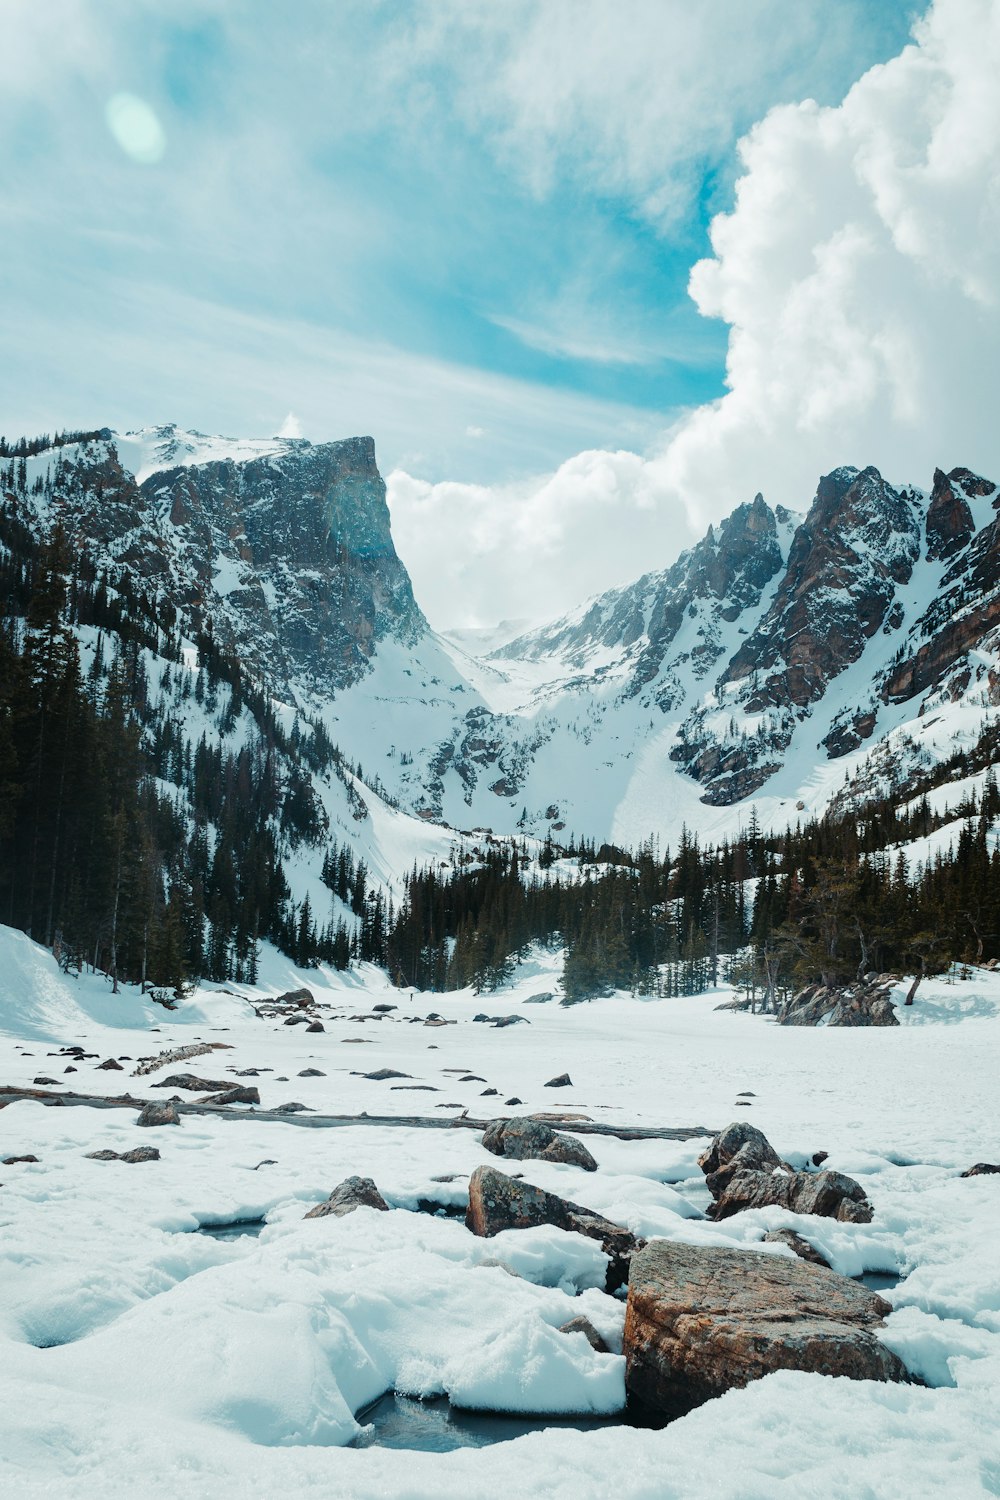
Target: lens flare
(136,129)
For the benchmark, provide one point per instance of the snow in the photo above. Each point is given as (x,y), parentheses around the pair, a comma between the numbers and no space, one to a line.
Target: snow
(139,1356)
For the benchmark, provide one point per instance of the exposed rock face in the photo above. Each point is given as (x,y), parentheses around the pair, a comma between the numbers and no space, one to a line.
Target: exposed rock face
(498,1202)
(949,518)
(159,1114)
(521,1140)
(702,1320)
(742,1170)
(863,1004)
(860,538)
(286,549)
(352,1193)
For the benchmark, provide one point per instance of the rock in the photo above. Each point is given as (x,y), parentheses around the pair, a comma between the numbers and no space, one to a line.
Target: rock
(381,1074)
(385,1009)
(301,998)
(439,1021)
(312,1073)
(542,998)
(831,1195)
(193,1084)
(292,1108)
(740,1147)
(156,1113)
(701,1320)
(481,1016)
(471,1078)
(109,1065)
(267,1162)
(583,1325)
(743,1170)
(14,1161)
(297,1021)
(498,1202)
(43,1080)
(819,1157)
(352,1193)
(570,1151)
(796,1243)
(519,1140)
(513,1100)
(499,1021)
(561,1081)
(486,1092)
(70,1069)
(981,1169)
(139,1153)
(315,1026)
(241,1094)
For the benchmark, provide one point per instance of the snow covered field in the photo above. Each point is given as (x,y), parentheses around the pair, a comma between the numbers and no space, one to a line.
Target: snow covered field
(138,1357)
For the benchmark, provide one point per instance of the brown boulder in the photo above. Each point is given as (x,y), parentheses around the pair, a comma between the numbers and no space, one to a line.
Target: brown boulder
(155,1113)
(498,1202)
(352,1193)
(301,998)
(741,1147)
(701,1320)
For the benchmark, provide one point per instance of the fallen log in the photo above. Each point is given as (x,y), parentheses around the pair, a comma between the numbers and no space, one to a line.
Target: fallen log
(11,1095)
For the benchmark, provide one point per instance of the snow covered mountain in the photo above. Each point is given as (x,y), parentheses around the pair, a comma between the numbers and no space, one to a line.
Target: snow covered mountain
(785,661)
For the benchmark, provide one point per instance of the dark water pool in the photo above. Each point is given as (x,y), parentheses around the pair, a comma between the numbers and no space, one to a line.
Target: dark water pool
(438,1427)
(234,1231)
(879,1281)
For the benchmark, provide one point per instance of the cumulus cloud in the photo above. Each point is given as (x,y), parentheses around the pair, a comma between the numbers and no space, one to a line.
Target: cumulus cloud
(859,271)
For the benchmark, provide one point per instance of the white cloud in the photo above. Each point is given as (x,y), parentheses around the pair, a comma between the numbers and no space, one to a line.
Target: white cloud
(859,272)
(291,427)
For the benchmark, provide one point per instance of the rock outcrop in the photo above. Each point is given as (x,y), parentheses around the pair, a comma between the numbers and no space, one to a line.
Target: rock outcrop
(498,1202)
(743,1171)
(701,1320)
(352,1193)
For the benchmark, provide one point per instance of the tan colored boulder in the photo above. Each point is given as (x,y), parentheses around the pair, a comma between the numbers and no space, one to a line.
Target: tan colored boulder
(701,1320)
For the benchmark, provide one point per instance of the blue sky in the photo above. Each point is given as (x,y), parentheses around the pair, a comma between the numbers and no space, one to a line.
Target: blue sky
(464,227)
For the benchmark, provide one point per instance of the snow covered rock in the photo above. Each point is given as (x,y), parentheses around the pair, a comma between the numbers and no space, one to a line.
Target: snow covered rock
(498,1202)
(701,1320)
(982,1169)
(585,1326)
(796,1244)
(352,1193)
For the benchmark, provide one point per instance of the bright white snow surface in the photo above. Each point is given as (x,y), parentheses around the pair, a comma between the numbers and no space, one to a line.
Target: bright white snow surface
(140,1358)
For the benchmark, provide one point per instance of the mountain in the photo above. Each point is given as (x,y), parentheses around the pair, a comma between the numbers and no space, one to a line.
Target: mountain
(787,661)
